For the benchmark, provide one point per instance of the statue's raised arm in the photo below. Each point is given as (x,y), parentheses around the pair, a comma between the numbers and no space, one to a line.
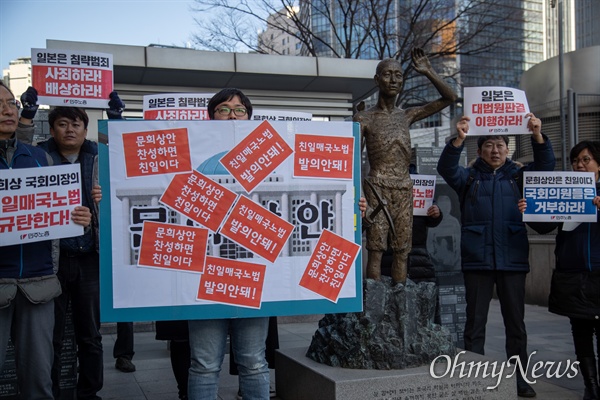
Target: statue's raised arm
(422,65)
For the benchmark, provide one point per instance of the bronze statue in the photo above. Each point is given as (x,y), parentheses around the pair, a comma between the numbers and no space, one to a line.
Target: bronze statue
(387,187)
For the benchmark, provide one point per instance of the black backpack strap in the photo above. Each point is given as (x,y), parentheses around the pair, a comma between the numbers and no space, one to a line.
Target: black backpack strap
(463,194)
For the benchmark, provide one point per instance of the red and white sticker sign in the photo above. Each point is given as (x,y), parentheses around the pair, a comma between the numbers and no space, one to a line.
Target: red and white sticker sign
(232,282)
(317,156)
(36,203)
(72,78)
(199,198)
(156,152)
(172,246)
(256,156)
(257,229)
(423,191)
(496,111)
(329,265)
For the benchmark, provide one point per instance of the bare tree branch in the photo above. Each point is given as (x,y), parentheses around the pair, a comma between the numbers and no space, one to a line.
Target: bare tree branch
(371,29)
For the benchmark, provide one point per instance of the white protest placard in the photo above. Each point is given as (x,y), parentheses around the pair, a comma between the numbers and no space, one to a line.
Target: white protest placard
(193,106)
(423,192)
(280,115)
(36,203)
(176,106)
(559,196)
(72,78)
(496,110)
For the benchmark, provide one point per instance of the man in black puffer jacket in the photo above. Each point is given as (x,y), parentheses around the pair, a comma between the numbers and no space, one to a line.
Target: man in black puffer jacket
(494,245)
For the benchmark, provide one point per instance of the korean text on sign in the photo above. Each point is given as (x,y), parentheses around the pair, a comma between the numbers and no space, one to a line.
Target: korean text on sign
(156,152)
(496,110)
(423,191)
(257,229)
(176,106)
(232,282)
(256,156)
(319,156)
(199,198)
(173,247)
(559,196)
(72,78)
(36,204)
(329,265)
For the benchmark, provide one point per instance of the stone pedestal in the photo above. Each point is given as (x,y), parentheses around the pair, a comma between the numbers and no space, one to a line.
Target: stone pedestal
(300,378)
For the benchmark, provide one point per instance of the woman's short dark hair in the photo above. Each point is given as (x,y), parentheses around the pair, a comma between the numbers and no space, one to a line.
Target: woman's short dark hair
(72,113)
(593,147)
(226,95)
(482,139)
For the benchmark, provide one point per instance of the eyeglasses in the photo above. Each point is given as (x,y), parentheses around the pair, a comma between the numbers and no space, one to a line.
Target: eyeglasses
(585,160)
(238,112)
(11,104)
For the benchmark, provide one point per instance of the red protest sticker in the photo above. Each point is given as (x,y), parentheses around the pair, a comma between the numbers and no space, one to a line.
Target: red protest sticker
(75,82)
(329,265)
(177,114)
(256,156)
(156,152)
(232,282)
(257,229)
(199,198)
(318,156)
(172,246)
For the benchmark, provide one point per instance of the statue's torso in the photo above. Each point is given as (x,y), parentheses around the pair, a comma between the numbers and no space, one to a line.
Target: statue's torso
(388,146)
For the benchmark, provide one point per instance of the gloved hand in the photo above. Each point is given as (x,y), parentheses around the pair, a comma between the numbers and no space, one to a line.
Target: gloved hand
(29,101)
(116,106)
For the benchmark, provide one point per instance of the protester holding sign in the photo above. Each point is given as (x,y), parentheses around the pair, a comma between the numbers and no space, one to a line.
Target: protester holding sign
(494,246)
(28,284)
(575,287)
(208,338)
(79,260)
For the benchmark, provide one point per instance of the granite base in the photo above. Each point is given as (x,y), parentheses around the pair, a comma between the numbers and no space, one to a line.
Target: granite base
(299,378)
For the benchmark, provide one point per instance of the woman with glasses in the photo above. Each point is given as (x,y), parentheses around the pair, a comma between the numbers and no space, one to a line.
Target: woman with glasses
(575,288)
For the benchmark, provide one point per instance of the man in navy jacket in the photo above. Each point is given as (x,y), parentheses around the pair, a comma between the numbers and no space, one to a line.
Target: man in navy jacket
(28,283)
(494,246)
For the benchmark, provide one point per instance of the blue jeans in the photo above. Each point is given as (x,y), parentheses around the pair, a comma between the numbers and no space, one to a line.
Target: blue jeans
(80,282)
(32,326)
(208,340)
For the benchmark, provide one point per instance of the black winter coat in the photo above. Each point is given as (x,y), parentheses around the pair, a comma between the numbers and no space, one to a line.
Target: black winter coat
(575,288)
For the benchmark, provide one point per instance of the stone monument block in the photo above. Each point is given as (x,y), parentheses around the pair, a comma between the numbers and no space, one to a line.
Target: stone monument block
(299,378)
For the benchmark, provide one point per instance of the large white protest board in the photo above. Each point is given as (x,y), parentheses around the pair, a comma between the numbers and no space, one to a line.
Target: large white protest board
(219,219)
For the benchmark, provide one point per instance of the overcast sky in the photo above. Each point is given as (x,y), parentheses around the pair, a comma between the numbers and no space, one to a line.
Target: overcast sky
(26,24)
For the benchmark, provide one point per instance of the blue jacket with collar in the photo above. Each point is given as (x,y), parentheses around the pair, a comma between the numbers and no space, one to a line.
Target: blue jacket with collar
(33,259)
(493,235)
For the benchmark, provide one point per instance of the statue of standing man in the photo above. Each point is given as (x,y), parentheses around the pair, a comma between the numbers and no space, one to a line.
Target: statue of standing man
(388,187)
